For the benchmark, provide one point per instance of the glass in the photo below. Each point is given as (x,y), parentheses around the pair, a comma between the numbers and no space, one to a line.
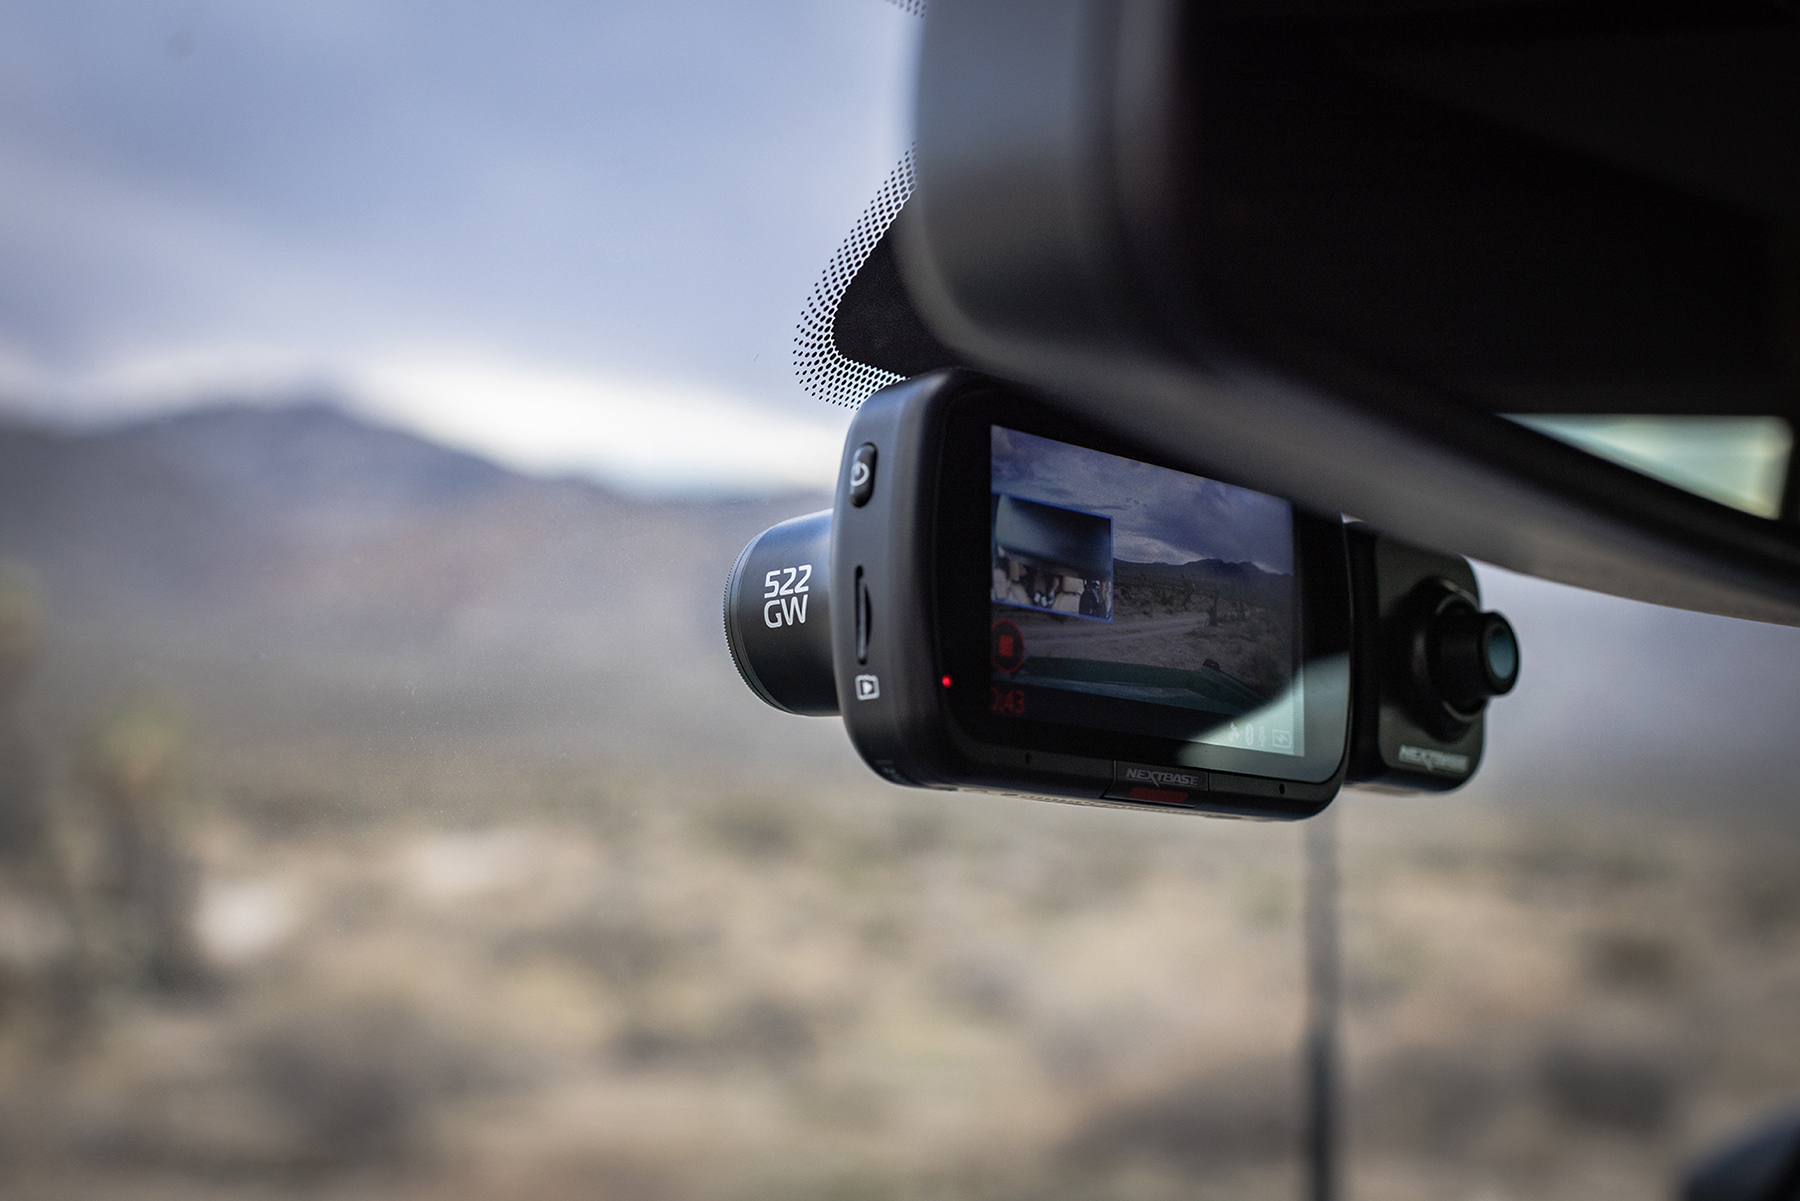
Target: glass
(1119,579)
(1737,461)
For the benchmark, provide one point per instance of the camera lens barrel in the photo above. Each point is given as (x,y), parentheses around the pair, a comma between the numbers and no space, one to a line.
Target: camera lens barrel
(1473,656)
(778,616)
(1461,656)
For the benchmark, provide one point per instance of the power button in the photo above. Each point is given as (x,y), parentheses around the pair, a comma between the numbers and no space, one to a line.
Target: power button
(862,474)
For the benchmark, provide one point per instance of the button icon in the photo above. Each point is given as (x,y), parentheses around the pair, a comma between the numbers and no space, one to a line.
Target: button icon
(867,688)
(1006,646)
(862,474)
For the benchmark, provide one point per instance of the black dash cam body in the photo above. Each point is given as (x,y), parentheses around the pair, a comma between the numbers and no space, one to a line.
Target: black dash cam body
(1019,603)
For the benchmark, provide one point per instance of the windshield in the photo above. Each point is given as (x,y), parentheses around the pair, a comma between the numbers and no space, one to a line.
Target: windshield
(387,390)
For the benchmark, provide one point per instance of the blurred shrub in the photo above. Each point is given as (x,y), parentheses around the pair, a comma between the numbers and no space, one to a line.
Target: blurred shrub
(1625,961)
(21,627)
(757,829)
(1628,1089)
(1235,1116)
(1430,1101)
(1766,892)
(131,757)
(147,880)
(22,816)
(628,952)
(357,1089)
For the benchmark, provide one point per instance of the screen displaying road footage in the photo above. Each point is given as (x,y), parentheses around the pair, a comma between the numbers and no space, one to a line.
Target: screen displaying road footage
(1135,598)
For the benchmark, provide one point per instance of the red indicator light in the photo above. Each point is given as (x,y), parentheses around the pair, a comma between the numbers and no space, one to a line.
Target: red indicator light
(946,681)
(1161,796)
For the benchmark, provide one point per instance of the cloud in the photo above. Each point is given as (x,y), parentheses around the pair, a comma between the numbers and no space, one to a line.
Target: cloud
(646,191)
(645,436)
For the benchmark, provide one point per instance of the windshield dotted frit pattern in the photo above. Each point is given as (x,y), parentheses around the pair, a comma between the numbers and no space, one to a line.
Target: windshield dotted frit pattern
(822,369)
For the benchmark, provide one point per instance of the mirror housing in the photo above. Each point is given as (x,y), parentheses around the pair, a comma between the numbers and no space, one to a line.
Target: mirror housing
(1336,252)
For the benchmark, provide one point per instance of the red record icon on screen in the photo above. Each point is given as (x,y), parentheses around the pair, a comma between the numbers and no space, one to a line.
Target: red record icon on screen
(1006,646)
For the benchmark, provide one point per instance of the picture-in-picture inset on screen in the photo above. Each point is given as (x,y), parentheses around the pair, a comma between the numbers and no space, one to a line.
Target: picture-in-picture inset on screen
(1052,558)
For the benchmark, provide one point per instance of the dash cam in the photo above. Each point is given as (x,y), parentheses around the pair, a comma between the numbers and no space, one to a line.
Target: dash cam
(1004,599)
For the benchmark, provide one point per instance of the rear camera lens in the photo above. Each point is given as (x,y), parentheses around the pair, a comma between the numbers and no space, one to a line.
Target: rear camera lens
(1471,655)
(1502,652)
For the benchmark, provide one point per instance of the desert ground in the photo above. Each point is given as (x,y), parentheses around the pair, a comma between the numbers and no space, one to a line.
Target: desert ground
(436,975)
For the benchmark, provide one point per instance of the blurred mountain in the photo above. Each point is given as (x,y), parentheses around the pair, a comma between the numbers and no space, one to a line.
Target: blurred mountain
(235,506)
(274,557)
(307,460)
(1200,583)
(1198,569)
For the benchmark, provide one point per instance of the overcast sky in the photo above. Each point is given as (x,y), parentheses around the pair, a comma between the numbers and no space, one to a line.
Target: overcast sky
(479,220)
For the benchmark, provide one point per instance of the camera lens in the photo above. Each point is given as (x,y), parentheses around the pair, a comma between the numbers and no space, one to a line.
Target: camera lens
(778,616)
(1473,656)
(1502,652)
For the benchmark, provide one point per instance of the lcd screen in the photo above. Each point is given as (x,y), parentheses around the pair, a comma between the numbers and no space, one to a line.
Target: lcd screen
(1140,599)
